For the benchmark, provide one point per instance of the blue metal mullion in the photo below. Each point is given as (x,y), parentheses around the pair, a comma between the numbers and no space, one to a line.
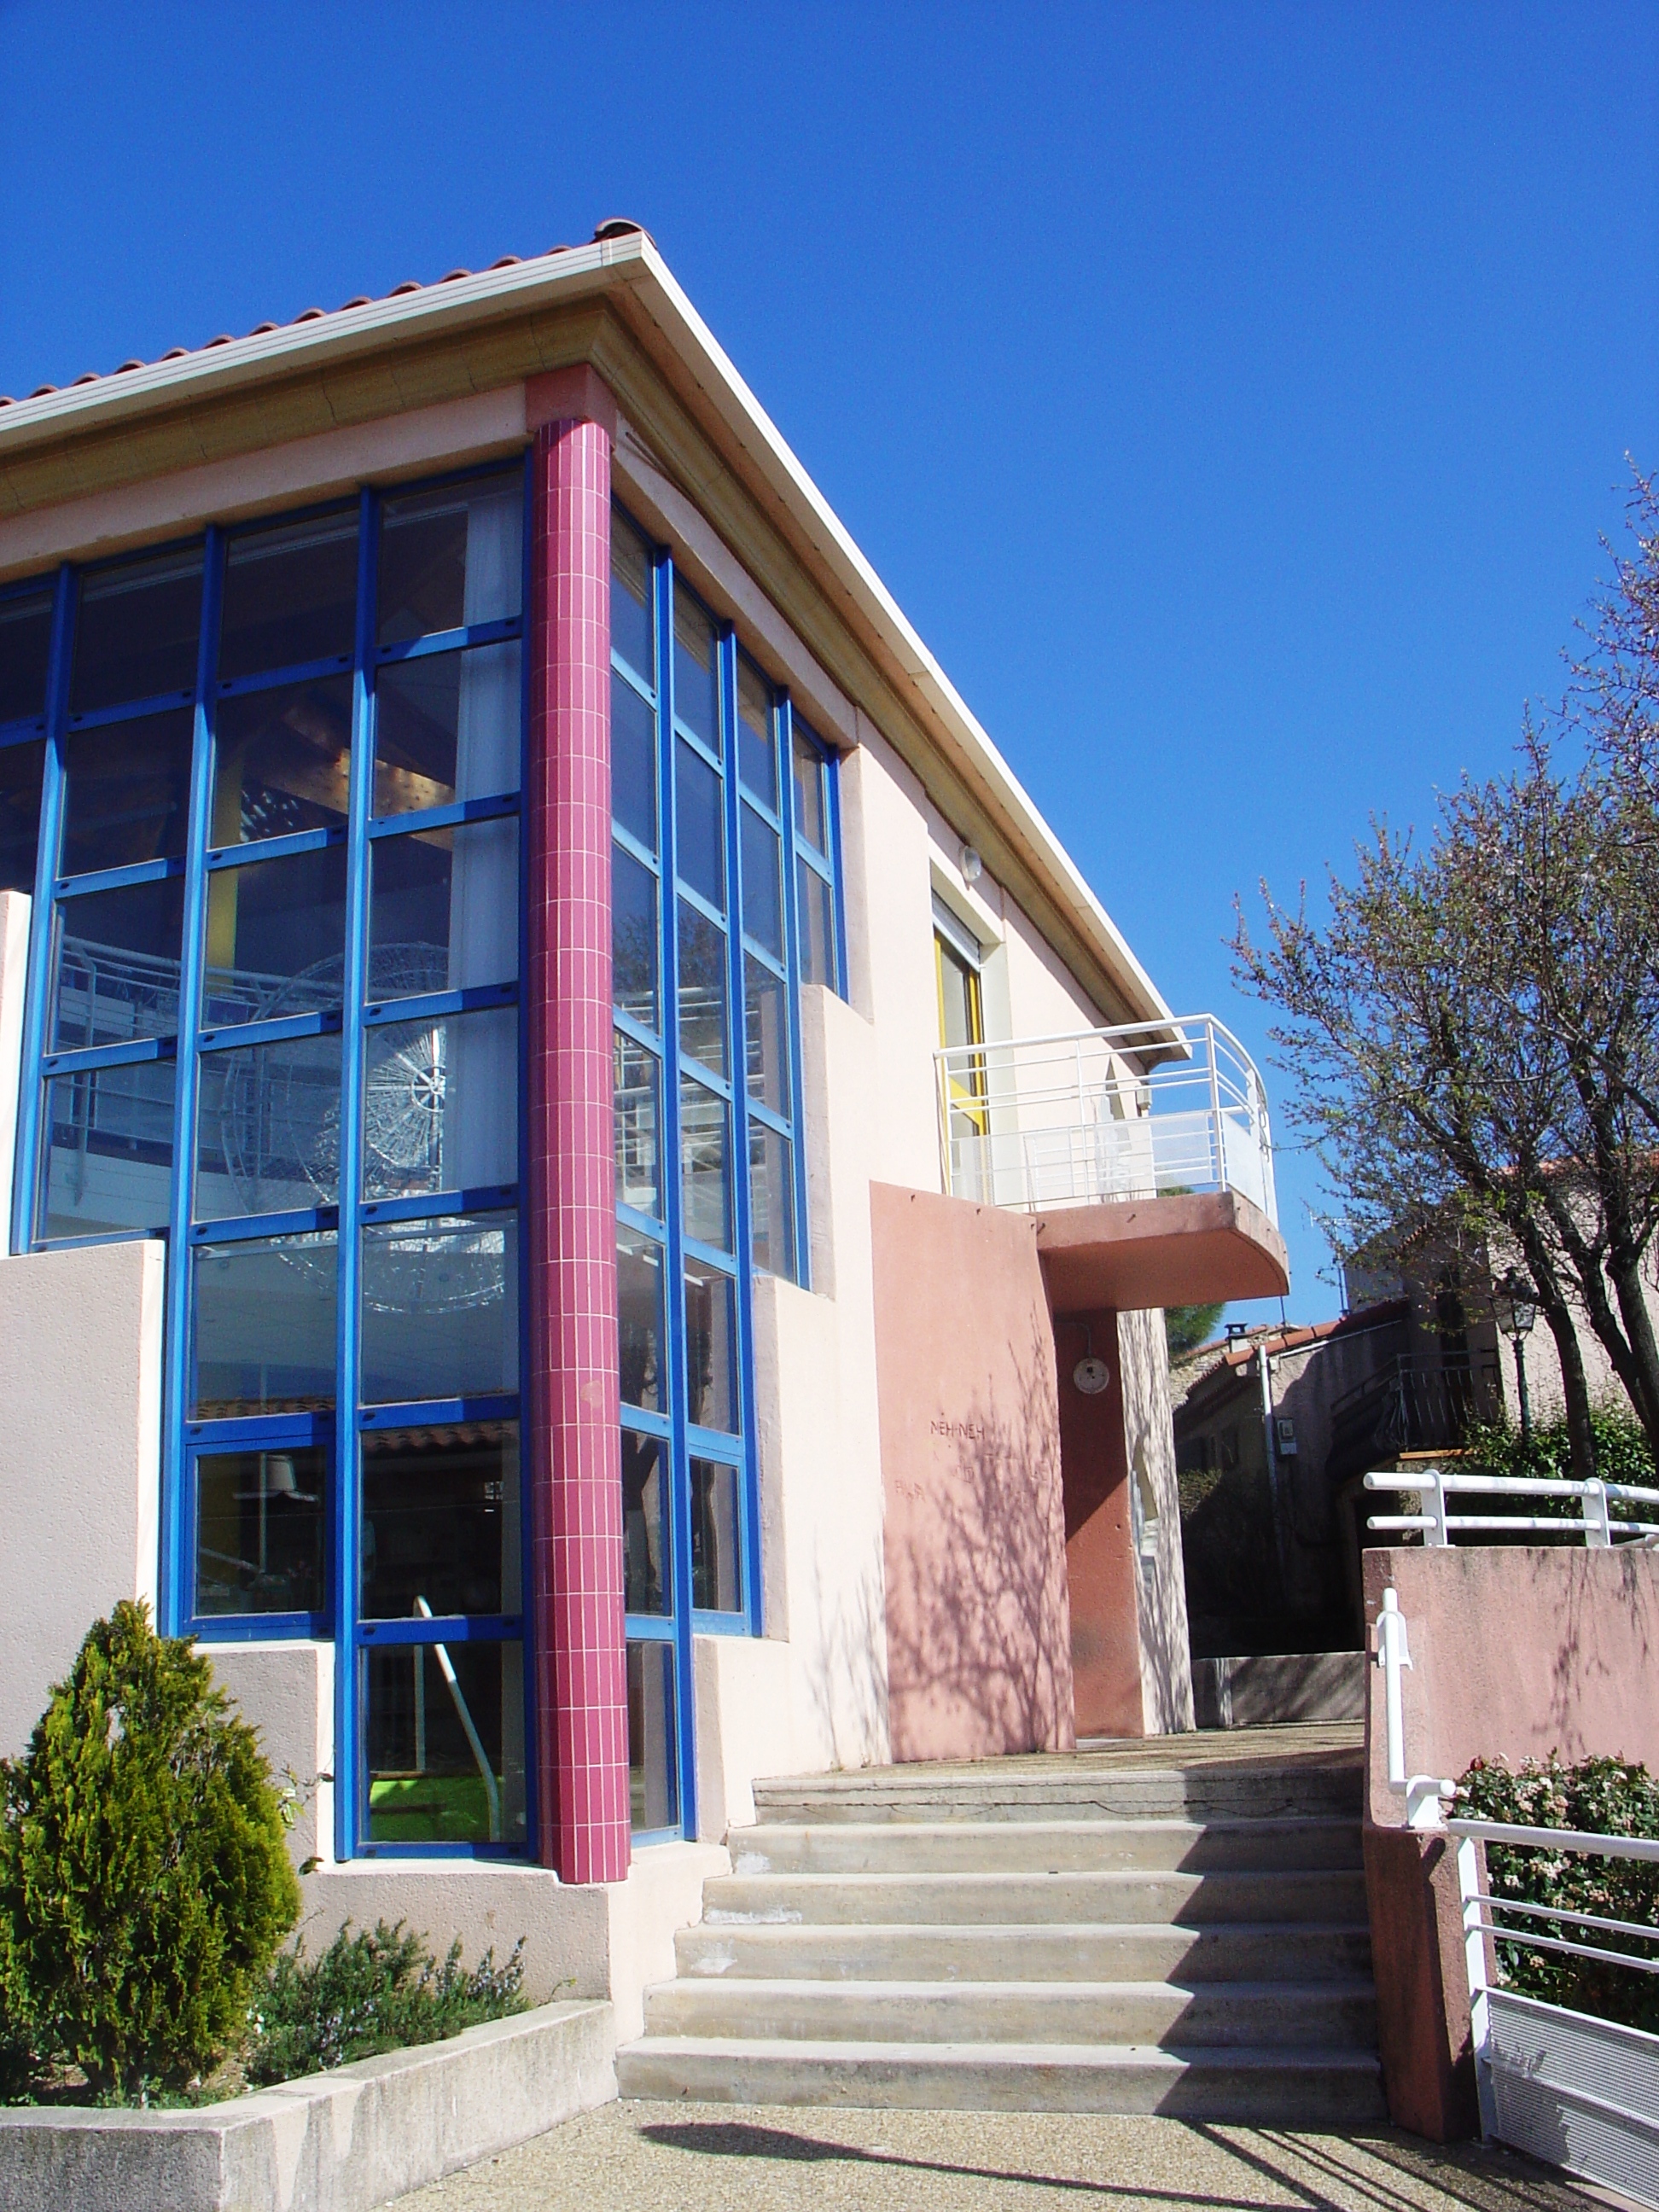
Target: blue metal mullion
(348,1699)
(679,1477)
(177,1581)
(36,1008)
(791,988)
(832,838)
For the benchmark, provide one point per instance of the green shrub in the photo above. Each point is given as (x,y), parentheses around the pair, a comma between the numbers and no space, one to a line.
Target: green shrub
(1604,1796)
(1622,1455)
(145,1876)
(369,1993)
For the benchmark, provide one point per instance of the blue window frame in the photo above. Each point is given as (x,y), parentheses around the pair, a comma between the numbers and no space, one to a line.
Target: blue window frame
(273,1018)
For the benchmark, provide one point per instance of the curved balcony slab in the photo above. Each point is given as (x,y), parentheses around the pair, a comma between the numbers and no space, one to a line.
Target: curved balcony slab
(1131,1252)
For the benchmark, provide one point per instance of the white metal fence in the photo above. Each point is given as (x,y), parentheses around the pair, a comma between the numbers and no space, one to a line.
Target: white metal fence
(1069,1120)
(1438,1523)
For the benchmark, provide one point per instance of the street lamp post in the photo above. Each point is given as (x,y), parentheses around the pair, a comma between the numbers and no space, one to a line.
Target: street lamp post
(1515,1309)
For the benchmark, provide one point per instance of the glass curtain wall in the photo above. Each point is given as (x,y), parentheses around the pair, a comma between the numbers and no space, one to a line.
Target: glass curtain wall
(275,971)
(722,815)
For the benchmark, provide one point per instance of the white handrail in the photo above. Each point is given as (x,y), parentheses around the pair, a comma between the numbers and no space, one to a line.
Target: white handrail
(1422,1792)
(1438,1524)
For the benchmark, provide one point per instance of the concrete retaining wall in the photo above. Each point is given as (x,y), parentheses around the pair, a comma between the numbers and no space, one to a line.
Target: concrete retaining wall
(335,2142)
(1264,1689)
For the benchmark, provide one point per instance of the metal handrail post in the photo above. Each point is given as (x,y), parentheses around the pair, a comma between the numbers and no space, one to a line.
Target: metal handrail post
(1217,1142)
(1474,1961)
(1438,1532)
(1598,1534)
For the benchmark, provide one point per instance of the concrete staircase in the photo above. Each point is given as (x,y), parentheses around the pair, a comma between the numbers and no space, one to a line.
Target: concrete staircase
(1110,1932)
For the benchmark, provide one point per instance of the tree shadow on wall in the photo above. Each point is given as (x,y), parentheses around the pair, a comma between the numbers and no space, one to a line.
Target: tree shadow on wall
(842,1674)
(978,1642)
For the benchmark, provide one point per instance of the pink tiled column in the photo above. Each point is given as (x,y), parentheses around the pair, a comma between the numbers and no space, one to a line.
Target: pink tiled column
(575,1456)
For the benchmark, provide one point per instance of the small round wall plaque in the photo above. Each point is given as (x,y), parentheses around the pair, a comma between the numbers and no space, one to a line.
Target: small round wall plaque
(1092,1376)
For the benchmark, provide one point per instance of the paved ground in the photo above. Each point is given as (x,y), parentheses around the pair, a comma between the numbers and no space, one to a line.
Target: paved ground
(753,2158)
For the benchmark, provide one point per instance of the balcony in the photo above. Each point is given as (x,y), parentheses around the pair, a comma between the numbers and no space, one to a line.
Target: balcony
(1412,1405)
(1144,1152)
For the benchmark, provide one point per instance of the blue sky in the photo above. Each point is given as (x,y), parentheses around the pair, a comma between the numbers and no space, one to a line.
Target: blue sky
(1232,395)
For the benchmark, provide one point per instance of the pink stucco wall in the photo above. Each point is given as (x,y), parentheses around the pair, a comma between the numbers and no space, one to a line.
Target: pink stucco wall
(978,1625)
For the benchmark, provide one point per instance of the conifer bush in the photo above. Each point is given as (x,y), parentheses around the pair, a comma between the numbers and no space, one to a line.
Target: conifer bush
(145,1884)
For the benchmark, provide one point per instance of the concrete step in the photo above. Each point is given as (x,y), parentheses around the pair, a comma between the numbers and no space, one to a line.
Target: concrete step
(1046,1846)
(1008,1951)
(1328,2015)
(1320,1893)
(1270,2085)
(1066,1789)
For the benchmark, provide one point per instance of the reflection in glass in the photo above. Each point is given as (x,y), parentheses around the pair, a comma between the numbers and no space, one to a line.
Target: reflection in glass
(648,1573)
(757,751)
(440,1103)
(763,895)
(260,1517)
(441,1520)
(811,816)
(818,927)
(127,795)
(696,672)
(446,727)
(711,1348)
(445,902)
(639,1314)
(633,629)
(633,761)
(766,1034)
(772,1200)
(703,989)
(699,850)
(136,631)
(25,653)
(633,938)
(268,1128)
(263,1339)
(452,558)
(281,762)
(21,771)
(716,1556)
(290,596)
(108,1139)
(440,1308)
(705,1171)
(275,936)
(116,965)
(653,1768)
(443,1737)
(637,1077)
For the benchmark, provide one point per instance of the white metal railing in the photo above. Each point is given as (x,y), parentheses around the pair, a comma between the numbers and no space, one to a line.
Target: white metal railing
(1147,1108)
(1438,1523)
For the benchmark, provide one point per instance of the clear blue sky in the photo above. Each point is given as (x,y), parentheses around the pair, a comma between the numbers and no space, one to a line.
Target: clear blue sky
(1231,394)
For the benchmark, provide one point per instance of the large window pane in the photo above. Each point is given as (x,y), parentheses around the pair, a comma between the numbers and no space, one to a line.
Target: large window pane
(811,816)
(647,1572)
(638,1095)
(452,558)
(638,1312)
(448,727)
(772,1200)
(443,1734)
(705,1166)
(444,909)
(440,1308)
(116,967)
(20,770)
(716,1551)
(263,1340)
(762,892)
(633,627)
(25,651)
(758,750)
(136,632)
(290,596)
(275,938)
(703,989)
(634,938)
(441,1520)
(711,1349)
(633,761)
(699,846)
(696,672)
(440,1103)
(281,762)
(653,1765)
(268,1128)
(766,1035)
(107,1135)
(817,927)
(260,1519)
(128,793)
